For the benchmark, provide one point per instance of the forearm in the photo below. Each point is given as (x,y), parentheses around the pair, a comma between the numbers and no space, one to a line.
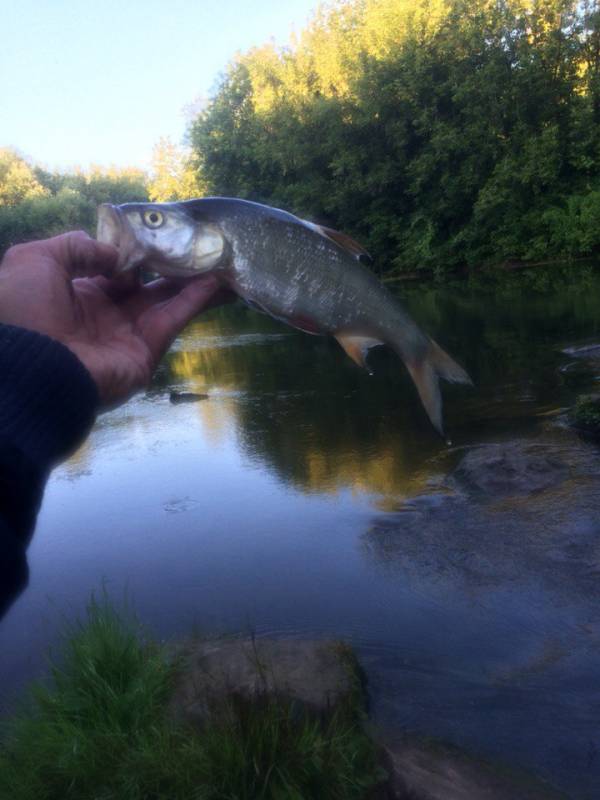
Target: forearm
(48,403)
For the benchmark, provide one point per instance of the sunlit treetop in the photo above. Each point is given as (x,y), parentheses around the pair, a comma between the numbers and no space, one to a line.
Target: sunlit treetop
(17,179)
(174,173)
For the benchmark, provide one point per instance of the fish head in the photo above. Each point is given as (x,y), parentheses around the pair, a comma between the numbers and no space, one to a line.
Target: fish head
(162,236)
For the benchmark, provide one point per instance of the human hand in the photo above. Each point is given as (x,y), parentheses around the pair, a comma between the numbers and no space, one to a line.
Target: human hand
(65,287)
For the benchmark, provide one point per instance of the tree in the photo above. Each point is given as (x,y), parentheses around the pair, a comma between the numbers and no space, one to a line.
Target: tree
(17,179)
(174,174)
(438,132)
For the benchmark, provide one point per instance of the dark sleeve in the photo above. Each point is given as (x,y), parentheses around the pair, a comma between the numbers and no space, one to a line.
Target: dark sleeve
(48,402)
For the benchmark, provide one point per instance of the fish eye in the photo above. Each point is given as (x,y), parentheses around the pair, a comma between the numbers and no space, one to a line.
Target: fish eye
(153,219)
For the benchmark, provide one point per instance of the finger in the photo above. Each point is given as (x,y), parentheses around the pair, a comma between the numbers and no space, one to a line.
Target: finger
(156,292)
(82,256)
(164,321)
(133,297)
(122,288)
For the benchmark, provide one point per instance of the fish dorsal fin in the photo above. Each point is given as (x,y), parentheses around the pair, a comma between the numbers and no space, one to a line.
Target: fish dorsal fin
(344,241)
(357,347)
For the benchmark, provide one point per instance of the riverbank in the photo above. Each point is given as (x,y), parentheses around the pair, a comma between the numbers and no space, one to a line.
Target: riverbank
(125,717)
(510,265)
(103,728)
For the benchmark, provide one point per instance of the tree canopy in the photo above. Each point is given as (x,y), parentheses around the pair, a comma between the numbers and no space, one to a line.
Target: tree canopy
(36,203)
(174,174)
(439,132)
(18,181)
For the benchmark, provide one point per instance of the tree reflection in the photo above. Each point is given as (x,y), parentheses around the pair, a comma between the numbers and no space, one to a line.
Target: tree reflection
(301,406)
(297,404)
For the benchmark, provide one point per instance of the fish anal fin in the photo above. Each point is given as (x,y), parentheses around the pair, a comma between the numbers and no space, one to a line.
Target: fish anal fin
(357,346)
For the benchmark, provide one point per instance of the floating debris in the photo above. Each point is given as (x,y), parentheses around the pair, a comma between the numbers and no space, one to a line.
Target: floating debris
(186,397)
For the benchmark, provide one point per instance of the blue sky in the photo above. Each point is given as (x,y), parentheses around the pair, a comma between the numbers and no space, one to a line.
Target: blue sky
(99,82)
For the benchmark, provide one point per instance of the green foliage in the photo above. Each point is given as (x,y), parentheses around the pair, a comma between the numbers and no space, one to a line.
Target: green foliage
(438,133)
(57,202)
(17,180)
(101,730)
(174,174)
(586,414)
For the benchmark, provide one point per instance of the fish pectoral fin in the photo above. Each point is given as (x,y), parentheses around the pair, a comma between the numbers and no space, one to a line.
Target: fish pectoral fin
(357,347)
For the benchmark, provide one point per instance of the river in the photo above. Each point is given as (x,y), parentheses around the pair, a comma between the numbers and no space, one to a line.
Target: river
(306,498)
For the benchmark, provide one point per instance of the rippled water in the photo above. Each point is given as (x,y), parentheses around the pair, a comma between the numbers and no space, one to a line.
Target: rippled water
(306,498)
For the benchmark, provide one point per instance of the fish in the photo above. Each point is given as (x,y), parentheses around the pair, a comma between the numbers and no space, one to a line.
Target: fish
(309,276)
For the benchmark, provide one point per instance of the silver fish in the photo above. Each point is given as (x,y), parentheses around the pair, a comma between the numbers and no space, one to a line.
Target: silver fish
(306,275)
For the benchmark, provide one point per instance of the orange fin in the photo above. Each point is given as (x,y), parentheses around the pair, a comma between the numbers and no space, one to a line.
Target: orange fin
(344,241)
(357,347)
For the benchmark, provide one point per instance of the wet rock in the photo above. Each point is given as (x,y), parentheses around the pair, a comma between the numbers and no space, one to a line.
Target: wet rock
(425,770)
(589,350)
(512,468)
(585,415)
(186,397)
(317,675)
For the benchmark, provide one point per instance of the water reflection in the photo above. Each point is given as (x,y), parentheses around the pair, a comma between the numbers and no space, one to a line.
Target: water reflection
(306,498)
(299,406)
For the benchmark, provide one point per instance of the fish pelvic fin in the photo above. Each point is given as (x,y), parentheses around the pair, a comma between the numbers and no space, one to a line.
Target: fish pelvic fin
(426,372)
(357,347)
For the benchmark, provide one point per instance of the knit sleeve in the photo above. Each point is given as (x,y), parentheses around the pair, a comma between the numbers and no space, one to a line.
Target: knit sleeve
(48,403)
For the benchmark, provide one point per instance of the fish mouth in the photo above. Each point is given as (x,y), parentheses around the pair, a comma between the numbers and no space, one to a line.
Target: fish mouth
(114,229)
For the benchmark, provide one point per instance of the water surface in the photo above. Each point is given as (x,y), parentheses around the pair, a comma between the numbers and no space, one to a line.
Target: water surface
(306,498)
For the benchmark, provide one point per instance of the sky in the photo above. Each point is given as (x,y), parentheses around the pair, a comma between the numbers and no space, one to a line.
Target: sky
(100,82)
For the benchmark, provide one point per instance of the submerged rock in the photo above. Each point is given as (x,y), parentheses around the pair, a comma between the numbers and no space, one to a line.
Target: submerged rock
(426,770)
(186,397)
(589,350)
(512,468)
(322,677)
(317,675)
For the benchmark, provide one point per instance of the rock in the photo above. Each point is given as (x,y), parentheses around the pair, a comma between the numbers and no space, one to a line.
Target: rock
(425,770)
(513,468)
(317,675)
(589,350)
(186,397)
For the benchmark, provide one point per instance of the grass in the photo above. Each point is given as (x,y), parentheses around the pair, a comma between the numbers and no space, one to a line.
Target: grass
(586,414)
(100,730)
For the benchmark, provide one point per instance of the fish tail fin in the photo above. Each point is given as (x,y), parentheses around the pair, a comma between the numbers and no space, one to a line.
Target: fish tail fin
(445,366)
(426,372)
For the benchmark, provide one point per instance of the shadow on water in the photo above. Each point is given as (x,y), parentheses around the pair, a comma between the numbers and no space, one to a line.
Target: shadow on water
(305,497)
